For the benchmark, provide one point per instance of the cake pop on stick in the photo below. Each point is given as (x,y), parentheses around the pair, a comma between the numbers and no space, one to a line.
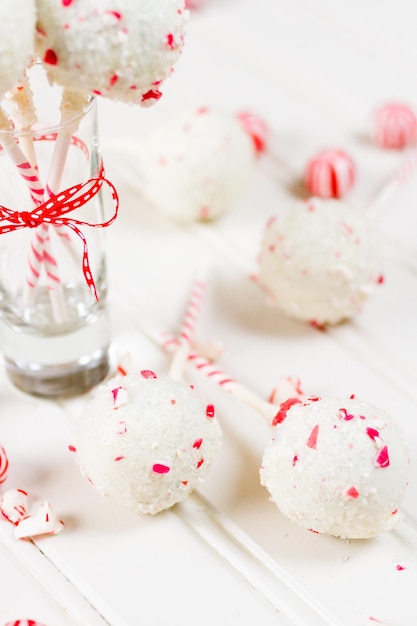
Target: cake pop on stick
(338,466)
(197,165)
(122,51)
(322,260)
(319,262)
(147,440)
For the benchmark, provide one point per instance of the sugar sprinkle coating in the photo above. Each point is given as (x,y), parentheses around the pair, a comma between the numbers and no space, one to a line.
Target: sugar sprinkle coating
(119,49)
(337,466)
(17,40)
(320,262)
(150,451)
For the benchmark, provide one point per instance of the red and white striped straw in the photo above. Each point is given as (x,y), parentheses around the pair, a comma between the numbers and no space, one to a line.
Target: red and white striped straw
(37,249)
(184,339)
(228,383)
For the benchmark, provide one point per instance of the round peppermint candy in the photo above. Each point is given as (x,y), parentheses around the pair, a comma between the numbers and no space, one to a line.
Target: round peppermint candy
(330,174)
(395,126)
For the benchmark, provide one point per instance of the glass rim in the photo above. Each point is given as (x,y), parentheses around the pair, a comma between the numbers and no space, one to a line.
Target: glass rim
(43,129)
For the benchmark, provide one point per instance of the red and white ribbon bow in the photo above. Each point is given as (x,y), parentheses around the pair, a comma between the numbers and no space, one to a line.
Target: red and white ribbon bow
(54,210)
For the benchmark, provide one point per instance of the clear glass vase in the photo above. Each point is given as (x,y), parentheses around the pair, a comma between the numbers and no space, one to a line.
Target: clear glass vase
(54,327)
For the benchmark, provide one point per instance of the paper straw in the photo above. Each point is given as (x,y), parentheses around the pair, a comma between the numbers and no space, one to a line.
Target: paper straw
(226,382)
(31,178)
(183,342)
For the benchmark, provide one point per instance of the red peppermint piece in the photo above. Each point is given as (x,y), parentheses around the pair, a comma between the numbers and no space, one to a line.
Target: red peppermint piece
(160,468)
(352,492)
(312,440)
(344,415)
(210,411)
(197,444)
(152,94)
(283,410)
(200,463)
(382,460)
(148,374)
(372,433)
(50,57)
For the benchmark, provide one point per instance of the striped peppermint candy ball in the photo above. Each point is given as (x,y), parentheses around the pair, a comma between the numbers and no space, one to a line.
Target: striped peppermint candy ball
(256,128)
(330,174)
(4,465)
(395,126)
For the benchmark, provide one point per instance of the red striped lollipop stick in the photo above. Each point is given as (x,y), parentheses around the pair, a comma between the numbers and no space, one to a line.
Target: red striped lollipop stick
(183,342)
(31,178)
(268,410)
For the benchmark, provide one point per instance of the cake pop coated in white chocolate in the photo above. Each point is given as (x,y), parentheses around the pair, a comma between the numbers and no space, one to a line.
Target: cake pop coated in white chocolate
(17,40)
(320,262)
(337,466)
(198,165)
(146,441)
(119,49)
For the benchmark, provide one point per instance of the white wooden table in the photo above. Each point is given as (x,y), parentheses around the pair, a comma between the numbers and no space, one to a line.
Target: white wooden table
(315,72)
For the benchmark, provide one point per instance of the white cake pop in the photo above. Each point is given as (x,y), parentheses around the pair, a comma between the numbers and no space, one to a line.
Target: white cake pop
(146,441)
(17,36)
(198,165)
(320,262)
(337,466)
(119,49)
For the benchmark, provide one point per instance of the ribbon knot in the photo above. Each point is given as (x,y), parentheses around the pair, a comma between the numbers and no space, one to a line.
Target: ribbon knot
(53,211)
(29,219)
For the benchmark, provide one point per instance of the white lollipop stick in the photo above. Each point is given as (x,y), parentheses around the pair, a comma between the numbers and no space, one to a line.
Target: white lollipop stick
(72,103)
(187,331)
(407,169)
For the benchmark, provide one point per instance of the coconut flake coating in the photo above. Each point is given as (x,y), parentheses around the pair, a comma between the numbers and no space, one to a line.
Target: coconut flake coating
(198,165)
(115,48)
(337,466)
(17,36)
(146,441)
(320,262)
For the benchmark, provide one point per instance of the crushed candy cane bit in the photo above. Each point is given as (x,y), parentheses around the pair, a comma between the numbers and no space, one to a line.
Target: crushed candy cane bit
(312,440)
(43,522)
(120,397)
(382,460)
(13,505)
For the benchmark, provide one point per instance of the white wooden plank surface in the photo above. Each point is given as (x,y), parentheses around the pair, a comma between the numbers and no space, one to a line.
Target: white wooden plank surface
(315,72)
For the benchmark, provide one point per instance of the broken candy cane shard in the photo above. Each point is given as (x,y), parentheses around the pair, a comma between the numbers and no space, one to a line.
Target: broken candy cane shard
(43,522)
